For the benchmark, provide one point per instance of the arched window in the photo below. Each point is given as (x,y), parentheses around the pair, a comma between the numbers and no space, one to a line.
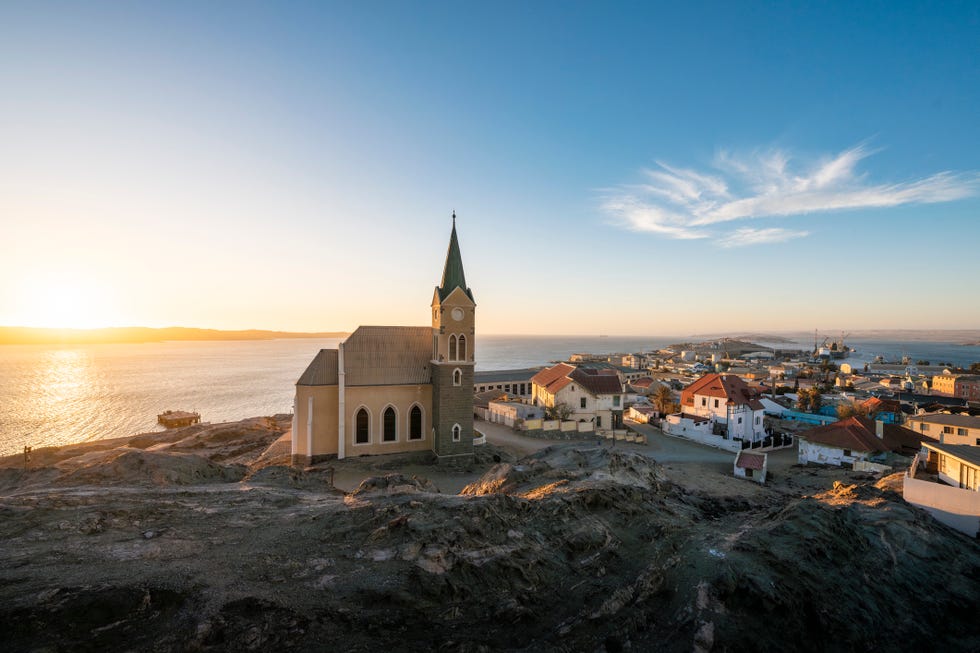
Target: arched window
(452,348)
(389,421)
(362,427)
(462,348)
(415,423)
(457,432)
(457,377)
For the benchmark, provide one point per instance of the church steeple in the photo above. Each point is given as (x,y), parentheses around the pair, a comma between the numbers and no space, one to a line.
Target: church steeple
(452,275)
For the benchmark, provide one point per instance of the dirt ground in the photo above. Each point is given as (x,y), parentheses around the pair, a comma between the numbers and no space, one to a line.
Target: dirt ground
(200,539)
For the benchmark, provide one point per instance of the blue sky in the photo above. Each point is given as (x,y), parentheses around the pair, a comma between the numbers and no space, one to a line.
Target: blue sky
(624,168)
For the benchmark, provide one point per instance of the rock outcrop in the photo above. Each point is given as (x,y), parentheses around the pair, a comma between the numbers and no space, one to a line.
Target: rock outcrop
(576,548)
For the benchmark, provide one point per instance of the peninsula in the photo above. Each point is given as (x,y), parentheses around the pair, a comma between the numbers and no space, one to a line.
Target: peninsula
(41,336)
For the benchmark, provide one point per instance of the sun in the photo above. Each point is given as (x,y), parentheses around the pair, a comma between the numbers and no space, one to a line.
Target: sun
(65,303)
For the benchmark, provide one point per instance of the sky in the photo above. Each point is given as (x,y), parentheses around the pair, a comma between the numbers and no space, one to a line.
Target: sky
(616,168)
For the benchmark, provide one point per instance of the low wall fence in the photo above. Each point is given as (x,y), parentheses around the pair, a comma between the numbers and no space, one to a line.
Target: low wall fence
(956,507)
(701,437)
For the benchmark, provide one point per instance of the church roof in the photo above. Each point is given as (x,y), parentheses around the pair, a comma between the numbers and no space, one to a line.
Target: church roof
(452,275)
(388,355)
(322,370)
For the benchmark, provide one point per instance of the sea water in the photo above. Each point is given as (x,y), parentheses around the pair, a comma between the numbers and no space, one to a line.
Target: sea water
(52,395)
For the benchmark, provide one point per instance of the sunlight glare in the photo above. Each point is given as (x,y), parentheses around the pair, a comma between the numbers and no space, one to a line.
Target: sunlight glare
(65,302)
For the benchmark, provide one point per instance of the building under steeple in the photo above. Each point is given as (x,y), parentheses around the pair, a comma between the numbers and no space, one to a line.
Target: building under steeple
(395,389)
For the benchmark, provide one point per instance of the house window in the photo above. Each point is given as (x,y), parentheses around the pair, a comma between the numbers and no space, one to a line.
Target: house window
(598,421)
(923,427)
(616,401)
(507,387)
(452,348)
(457,433)
(704,402)
(748,473)
(389,425)
(962,432)
(948,430)
(716,403)
(582,402)
(757,419)
(415,423)
(739,420)
(847,452)
(362,425)
(457,377)
(462,348)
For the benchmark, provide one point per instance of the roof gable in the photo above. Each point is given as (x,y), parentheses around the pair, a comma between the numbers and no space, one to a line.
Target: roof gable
(723,386)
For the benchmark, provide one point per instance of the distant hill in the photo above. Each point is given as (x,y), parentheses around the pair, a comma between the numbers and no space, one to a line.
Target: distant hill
(37,336)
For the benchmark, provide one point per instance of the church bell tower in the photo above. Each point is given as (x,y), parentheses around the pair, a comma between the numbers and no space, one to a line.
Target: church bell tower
(453,356)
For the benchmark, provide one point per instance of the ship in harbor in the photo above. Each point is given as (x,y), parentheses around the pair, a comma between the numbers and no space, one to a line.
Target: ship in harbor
(835,349)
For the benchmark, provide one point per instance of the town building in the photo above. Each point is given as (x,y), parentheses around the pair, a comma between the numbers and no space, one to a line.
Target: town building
(643,413)
(513,382)
(947,485)
(751,465)
(963,386)
(727,402)
(854,439)
(512,413)
(884,410)
(946,428)
(586,393)
(392,389)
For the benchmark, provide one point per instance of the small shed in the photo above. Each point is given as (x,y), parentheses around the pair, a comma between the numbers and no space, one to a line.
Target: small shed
(751,465)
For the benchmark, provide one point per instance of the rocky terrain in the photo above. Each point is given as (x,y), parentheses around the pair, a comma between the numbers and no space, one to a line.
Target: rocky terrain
(201,539)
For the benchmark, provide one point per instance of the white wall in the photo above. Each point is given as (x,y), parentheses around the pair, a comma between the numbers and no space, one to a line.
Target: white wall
(812,452)
(955,507)
(700,432)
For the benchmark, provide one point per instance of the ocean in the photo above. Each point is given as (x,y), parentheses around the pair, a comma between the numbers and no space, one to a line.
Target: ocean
(52,395)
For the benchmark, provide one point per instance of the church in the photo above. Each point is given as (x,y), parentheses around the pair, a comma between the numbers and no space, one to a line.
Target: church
(395,389)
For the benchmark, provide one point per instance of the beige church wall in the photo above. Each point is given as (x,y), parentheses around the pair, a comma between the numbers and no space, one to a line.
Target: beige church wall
(376,399)
(324,419)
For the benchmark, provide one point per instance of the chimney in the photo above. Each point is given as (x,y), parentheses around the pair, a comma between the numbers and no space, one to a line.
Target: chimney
(879,429)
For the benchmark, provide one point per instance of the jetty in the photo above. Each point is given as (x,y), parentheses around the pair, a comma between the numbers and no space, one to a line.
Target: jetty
(176,418)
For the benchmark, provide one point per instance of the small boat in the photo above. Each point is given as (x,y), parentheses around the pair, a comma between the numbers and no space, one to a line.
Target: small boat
(172,419)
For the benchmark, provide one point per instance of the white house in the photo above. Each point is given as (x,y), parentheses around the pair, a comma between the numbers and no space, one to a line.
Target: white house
(643,413)
(855,439)
(591,395)
(727,402)
(509,412)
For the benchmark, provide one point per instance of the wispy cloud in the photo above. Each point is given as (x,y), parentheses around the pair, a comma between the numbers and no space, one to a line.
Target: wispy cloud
(749,236)
(689,204)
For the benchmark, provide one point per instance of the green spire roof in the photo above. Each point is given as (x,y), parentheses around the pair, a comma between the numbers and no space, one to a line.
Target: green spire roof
(453,276)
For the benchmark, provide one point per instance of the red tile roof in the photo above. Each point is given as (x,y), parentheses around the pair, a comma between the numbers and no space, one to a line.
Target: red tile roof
(724,386)
(877,405)
(595,382)
(553,378)
(747,460)
(859,434)
(643,382)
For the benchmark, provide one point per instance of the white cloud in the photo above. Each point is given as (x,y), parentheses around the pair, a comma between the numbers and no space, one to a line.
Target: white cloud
(683,203)
(748,236)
